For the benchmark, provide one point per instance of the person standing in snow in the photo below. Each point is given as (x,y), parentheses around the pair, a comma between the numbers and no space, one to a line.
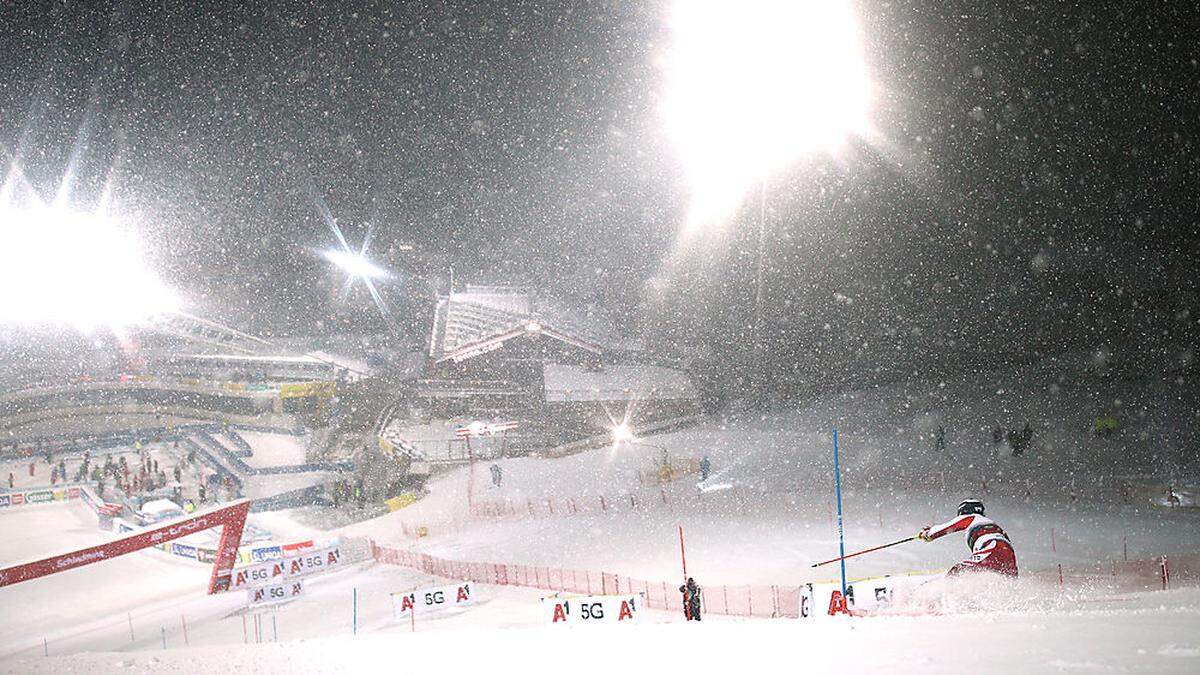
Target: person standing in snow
(691,600)
(990,547)
(705,468)
(497,474)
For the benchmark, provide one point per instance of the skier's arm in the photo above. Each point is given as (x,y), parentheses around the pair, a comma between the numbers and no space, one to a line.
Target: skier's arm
(957,525)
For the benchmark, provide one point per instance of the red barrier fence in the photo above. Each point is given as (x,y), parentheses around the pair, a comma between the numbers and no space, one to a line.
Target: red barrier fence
(757,601)
(760,601)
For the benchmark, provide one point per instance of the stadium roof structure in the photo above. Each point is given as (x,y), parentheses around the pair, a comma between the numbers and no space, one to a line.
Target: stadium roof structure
(483,318)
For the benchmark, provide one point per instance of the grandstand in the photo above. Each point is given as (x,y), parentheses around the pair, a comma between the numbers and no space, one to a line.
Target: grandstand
(242,409)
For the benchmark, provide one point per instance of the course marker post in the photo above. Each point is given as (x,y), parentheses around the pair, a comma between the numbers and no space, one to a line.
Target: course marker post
(841,532)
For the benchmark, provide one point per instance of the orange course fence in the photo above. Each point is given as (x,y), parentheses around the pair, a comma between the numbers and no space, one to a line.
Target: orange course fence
(534,508)
(759,601)
(751,601)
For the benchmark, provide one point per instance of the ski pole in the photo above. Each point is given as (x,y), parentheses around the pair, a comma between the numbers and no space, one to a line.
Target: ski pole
(851,555)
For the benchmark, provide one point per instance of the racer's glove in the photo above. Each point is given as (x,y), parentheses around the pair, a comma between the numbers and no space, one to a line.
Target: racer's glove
(923,535)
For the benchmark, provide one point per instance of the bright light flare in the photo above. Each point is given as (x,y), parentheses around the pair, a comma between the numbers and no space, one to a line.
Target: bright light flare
(622,433)
(62,267)
(355,264)
(754,84)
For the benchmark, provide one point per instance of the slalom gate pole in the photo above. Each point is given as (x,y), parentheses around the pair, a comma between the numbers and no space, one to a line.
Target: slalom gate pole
(866,550)
(354,614)
(683,559)
(682,554)
(841,532)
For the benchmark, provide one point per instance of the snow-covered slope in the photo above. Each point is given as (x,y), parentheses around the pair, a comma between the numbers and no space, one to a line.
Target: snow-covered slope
(1060,503)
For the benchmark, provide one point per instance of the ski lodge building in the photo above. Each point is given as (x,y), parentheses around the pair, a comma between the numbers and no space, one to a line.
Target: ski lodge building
(500,354)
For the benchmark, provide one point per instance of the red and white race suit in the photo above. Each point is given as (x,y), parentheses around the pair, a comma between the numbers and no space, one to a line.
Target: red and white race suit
(990,547)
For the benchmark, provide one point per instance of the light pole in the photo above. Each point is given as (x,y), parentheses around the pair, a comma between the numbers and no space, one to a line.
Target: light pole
(756,371)
(752,87)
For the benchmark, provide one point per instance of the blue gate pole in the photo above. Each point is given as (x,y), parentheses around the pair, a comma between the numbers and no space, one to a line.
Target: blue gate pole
(837,484)
(355,617)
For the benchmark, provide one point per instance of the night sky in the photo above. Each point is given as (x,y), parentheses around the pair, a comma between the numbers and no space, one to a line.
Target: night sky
(1034,186)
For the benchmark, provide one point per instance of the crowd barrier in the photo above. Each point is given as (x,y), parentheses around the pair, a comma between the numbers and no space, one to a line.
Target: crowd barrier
(59,493)
(233,456)
(764,601)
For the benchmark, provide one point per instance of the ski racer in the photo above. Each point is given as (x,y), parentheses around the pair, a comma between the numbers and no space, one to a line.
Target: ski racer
(990,547)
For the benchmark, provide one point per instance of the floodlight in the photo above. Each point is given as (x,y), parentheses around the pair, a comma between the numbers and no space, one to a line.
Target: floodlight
(355,264)
(754,84)
(622,433)
(63,267)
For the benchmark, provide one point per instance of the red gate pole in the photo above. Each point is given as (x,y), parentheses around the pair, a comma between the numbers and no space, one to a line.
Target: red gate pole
(683,559)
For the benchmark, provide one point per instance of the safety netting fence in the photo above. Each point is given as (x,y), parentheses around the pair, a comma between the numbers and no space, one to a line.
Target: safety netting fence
(765,601)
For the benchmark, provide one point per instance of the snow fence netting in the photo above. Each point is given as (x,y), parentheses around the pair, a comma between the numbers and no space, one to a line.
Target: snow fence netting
(764,601)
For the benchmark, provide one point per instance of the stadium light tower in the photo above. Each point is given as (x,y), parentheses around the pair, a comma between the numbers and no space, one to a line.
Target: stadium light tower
(753,86)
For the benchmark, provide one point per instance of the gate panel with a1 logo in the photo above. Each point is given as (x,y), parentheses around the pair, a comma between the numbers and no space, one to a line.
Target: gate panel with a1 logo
(592,609)
(434,599)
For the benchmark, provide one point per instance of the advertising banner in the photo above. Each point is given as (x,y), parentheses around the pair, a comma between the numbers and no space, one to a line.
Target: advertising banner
(305,389)
(264,595)
(269,573)
(875,594)
(274,571)
(432,599)
(313,561)
(183,550)
(266,553)
(298,547)
(591,609)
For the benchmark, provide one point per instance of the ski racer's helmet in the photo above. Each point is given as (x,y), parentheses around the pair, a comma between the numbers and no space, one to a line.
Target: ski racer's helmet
(969,506)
